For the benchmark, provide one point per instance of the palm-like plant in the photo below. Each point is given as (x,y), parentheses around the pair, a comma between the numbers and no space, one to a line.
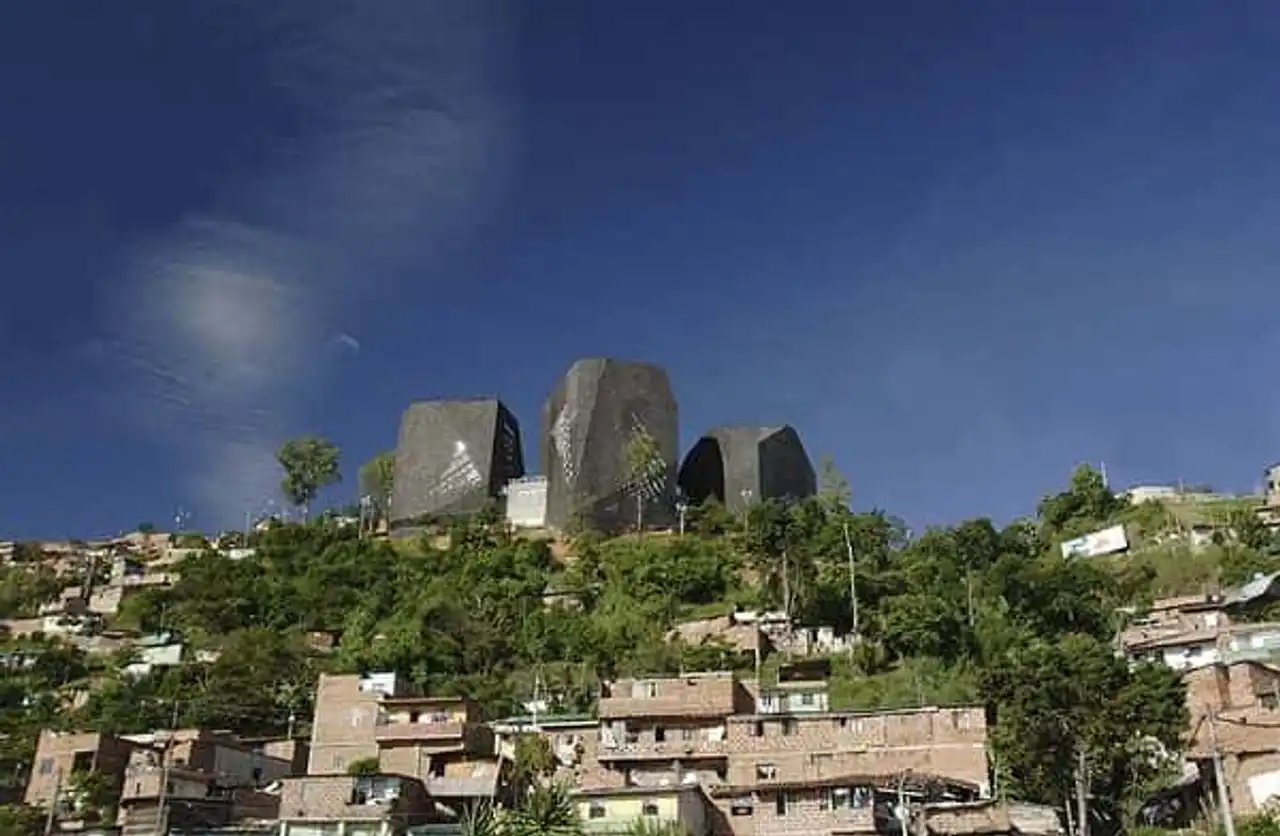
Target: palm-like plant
(543,811)
(481,820)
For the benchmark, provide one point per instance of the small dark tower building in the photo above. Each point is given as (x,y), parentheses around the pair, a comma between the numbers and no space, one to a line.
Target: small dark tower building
(589,423)
(740,465)
(453,457)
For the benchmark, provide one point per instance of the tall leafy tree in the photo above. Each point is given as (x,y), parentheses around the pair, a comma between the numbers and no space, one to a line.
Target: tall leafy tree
(377,480)
(1058,700)
(310,463)
(646,471)
(832,484)
(1086,504)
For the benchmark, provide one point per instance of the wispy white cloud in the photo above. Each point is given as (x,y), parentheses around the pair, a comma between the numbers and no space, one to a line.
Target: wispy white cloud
(219,325)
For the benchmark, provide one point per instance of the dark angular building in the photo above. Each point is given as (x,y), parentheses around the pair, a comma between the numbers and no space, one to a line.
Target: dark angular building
(589,423)
(740,465)
(452,457)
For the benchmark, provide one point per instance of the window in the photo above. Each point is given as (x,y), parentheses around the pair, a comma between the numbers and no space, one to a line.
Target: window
(355,717)
(595,811)
(46,766)
(788,727)
(842,722)
(1269,701)
(437,768)
(659,734)
(780,804)
(650,808)
(758,731)
(766,771)
(806,700)
(644,690)
(413,716)
(339,763)
(742,806)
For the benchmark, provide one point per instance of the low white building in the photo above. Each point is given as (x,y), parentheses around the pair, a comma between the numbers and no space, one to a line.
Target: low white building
(527,502)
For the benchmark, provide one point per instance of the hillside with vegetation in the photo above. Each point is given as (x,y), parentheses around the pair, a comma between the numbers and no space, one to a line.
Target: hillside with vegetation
(967,613)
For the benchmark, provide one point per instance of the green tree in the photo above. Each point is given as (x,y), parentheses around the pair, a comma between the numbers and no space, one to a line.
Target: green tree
(363,767)
(1086,504)
(377,480)
(832,484)
(24,587)
(309,464)
(646,471)
(21,820)
(1054,700)
(94,793)
(533,763)
(28,552)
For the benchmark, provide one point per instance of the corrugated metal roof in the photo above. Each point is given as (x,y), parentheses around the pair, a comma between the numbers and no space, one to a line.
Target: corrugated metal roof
(1252,590)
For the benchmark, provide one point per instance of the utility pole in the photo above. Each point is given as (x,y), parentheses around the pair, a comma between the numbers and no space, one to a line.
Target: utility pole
(904,814)
(1082,792)
(162,809)
(786,590)
(853,580)
(533,705)
(51,816)
(1220,777)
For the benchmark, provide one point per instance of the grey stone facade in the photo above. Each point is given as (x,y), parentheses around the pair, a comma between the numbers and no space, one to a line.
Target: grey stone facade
(588,423)
(452,457)
(740,465)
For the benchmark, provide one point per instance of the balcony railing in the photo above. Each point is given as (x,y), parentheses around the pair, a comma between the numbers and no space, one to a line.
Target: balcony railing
(669,749)
(389,729)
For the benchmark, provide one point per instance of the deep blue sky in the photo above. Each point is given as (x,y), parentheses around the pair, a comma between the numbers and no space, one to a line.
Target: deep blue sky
(960,246)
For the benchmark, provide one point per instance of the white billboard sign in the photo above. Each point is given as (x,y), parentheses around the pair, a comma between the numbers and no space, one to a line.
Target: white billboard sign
(1107,541)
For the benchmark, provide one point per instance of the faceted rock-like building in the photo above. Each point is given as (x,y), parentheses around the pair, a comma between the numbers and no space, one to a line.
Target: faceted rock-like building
(740,465)
(452,457)
(599,413)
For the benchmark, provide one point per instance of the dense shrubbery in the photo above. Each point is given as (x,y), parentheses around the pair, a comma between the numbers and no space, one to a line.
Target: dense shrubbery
(971,612)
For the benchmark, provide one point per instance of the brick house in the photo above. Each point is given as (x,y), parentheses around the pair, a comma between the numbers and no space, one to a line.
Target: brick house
(655,732)
(439,741)
(1238,705)
(349,805)
(61,758)
(200,777)
(771,762)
